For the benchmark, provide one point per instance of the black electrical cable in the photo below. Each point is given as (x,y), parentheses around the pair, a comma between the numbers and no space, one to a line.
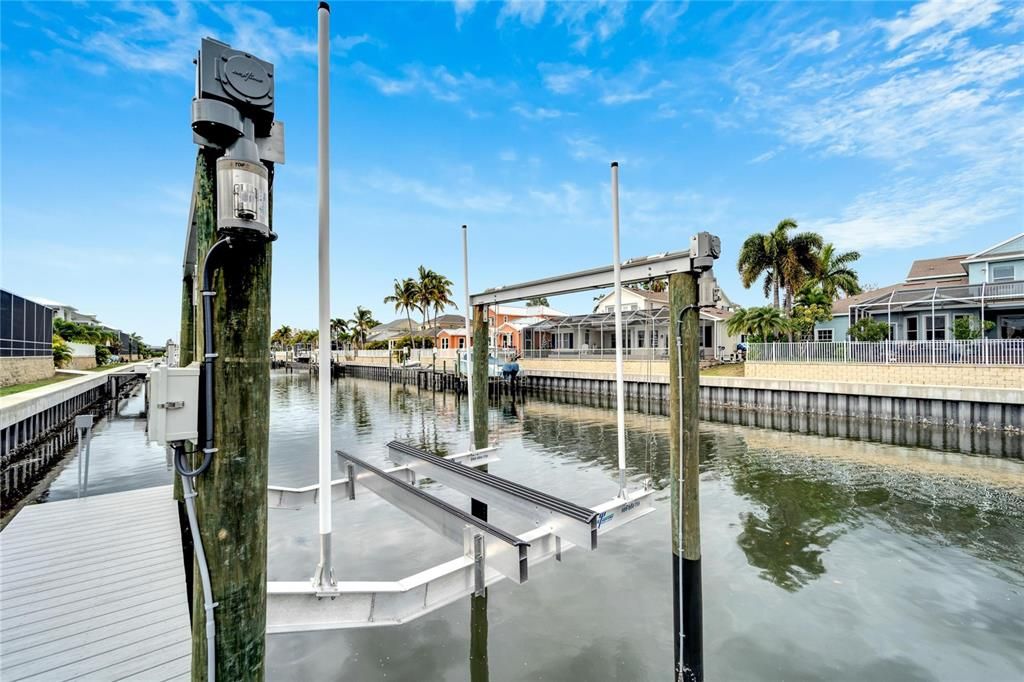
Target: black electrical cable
(208,357)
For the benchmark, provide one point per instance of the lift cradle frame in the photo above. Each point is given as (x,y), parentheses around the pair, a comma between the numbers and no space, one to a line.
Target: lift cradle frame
(489,554)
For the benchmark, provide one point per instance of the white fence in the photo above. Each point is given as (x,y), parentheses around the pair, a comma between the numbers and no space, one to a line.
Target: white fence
(975,352)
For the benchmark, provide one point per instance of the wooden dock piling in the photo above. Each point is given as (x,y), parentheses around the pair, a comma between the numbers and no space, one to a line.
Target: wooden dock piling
(684,444)
(232,499)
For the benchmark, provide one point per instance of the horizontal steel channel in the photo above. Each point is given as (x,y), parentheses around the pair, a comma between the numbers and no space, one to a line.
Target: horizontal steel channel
(504,552)
(633,270)
(566,519)
(282,497)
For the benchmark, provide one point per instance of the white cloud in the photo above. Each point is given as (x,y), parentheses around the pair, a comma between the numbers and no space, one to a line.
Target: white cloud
(766,156)
(912,212)
(508,155)
(527,12)
(459,195)
(826,42)
(586,21)
(956,16)
(662,17)
(941,120)
(665,111)
(587,148)
(463,8)
(344,44)
(438,82)
(163,38)
(536,113)
(563,79)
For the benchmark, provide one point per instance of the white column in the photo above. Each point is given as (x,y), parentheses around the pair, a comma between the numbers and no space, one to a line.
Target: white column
(620,386)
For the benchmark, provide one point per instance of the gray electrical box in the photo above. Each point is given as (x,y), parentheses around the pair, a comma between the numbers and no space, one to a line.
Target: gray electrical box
(238,78)
(173,413)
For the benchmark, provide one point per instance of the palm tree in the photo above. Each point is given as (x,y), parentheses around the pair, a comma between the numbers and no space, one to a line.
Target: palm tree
(405,297)
(361,324)
(785,261)
(537,300)
(440,291)
(424,296)
(339,328)
(835,274)
(282,336)
(763,323)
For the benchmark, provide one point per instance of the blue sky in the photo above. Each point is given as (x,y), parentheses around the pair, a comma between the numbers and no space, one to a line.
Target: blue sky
(893,128)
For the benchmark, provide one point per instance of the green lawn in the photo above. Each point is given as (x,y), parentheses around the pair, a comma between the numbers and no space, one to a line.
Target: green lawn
(108,366)
(734,369)
(18,388)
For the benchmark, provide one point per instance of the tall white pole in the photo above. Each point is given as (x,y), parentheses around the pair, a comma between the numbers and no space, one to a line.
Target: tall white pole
(620,386)
(325,572)
(469,337)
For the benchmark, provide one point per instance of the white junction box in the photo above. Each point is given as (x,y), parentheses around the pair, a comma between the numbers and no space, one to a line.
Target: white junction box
(173,404)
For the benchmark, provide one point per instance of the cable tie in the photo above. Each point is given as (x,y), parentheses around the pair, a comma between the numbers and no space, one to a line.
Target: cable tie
(192,494)
(209,451)
(209,293)
(210,355)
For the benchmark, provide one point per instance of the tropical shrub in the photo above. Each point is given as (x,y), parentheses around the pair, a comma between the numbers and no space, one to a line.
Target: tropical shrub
(868,329)
(760,324)
(102,355)
(61,352)
(812,306)
(967,328)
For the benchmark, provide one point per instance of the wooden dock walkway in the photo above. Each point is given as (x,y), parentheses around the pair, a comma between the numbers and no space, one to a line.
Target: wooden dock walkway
(94,589)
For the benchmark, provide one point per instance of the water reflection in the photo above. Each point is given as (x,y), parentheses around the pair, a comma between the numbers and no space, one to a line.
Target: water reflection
(820,552)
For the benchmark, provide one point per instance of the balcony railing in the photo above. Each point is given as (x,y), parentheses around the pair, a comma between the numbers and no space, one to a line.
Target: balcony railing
(974,352)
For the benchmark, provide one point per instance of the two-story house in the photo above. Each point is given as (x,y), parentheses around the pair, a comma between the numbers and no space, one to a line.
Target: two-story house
(987,285)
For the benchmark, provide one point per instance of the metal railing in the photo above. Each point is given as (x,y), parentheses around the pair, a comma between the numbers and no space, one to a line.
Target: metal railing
(973,352)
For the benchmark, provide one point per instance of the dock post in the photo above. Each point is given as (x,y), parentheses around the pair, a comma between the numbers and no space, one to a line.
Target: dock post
(684,424)
(231,495)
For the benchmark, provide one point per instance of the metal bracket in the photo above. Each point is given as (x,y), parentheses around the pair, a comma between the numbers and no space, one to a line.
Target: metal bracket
(171,405)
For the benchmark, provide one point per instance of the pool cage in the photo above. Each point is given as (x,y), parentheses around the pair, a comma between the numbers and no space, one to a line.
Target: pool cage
(645,335)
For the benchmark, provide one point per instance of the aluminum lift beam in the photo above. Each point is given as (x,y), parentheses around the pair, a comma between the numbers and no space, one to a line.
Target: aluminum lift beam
(633,270)
(301,606)
(565,519)
(504,552)
(282,497)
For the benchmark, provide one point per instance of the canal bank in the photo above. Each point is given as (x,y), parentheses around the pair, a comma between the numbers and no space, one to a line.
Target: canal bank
(37,427)
(964,407)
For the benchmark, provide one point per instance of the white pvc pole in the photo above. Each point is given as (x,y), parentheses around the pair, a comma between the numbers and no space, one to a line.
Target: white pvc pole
(324,259)
(620,387)
(469,337)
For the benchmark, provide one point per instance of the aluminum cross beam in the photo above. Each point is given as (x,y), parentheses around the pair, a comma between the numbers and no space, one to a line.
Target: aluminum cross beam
(300,606)
(505,553)
(633,270)
(565,519)
(282,497)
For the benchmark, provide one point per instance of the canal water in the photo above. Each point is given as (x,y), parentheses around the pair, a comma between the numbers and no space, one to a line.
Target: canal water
(824,557)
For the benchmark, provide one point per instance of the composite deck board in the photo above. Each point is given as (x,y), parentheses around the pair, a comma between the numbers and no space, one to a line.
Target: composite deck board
(94,589)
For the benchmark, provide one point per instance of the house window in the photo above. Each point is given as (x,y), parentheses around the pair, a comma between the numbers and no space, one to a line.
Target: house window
(586,337)
(640,338)
(462,342)
(444,342)
(654,338)
(935,327)
(911,329)
(1011,327)
(823,335)
(1002,272)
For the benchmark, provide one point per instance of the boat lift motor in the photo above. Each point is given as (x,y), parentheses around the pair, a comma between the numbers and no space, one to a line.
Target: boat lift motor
(234,111)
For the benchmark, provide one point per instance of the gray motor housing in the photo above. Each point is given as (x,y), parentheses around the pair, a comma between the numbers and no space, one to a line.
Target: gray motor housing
(239,79)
